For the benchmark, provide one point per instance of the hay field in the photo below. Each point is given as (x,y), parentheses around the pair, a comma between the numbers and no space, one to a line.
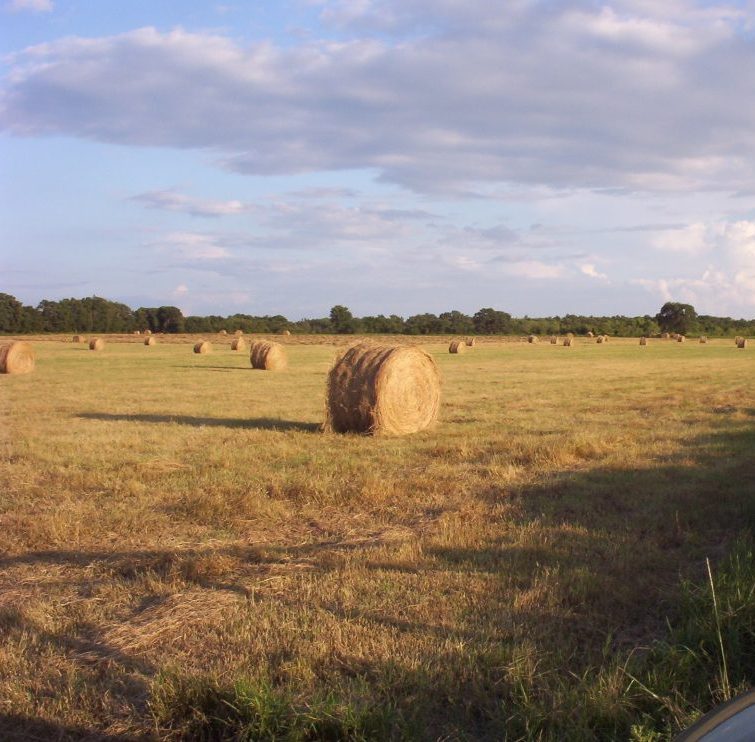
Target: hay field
(184,555)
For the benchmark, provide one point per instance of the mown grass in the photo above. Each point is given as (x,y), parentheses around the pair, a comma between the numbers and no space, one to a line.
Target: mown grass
(185,555)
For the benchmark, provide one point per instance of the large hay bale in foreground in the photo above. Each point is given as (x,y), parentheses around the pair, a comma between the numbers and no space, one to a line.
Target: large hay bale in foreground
(742,343)
(457,346)
(203,347)
(268,356)
(96,344)
(16,357)
(238,344)
(643,341)
(470,342)
(383,389)
(78,339)
(150,341)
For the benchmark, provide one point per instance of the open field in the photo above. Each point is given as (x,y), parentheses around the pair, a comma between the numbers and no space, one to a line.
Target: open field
(184,554)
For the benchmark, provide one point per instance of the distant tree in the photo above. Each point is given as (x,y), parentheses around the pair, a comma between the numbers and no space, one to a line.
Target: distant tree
(342,320)
(423,324)
(170,319)
(676,317)
(11,314)
(489,321)
(456,323)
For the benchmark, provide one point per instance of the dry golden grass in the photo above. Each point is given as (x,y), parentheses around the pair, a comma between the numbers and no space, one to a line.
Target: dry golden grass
(453,575)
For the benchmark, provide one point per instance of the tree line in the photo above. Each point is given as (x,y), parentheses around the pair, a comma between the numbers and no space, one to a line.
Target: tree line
(97,315)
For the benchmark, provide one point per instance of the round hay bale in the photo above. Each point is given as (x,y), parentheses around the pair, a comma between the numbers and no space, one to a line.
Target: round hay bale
(470,342)
(680,338)
(78,339)
(136,332)
(665,336)
(457,346)
(568,342)
(238,344)
(703,339)
(268,356)
(742,343)
(238,332)
(16,357)
(148,332)
(554,340)
(150,341)
(96,344)
(383,389)
(737,339)
(203,347)
(533,339)
(600,340)
(286,332)
(590,334)
(222,332)
(643,341)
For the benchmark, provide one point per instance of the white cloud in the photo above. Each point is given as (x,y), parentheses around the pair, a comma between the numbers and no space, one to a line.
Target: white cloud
(556,95)
(173,201)
(36,6)
(534,269)
(589,270)
(692,239)
(193,246)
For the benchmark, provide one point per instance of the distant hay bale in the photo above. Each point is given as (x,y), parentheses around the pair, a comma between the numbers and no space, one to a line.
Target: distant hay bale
(470,342)
(554,340)
(150,341)
(665,336)
(238,332)
(96,344)
(286,332)
(203,347)
(383,389)
(148,332)
(533,339)
(16,357)
(680,338)
(703,339)
(643,341)
(605,338)
(590,334)
(568,341)
(78,339)
(268,356)
(238,344)
(742,343)
(136,332)
(600,340)
(457,346)
(737,340)
(222,332)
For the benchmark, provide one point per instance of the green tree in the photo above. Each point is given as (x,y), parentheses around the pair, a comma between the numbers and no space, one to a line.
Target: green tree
(492,322)
(676,317)
(342,320)
(11,314)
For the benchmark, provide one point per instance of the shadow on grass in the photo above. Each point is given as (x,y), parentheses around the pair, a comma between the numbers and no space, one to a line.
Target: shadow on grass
(252,423)
(18,728)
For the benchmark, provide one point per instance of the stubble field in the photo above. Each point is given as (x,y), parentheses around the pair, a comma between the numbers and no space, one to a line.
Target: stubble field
(184,554)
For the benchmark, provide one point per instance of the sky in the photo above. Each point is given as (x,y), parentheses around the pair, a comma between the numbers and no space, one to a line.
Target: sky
(395,156)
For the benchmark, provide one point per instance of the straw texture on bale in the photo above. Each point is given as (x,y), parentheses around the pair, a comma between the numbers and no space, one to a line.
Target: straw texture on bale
(470,342)
(268,356)
(150,341)
(457,346)
(383,389)
(703,339)
(238,344)
(742,343)
(78,339)
(96,344)
(568,342)
(203,347)
(532,339)
(16,358)
(643,341)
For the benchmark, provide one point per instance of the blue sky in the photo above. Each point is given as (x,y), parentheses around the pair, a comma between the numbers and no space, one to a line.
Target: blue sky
(392,155)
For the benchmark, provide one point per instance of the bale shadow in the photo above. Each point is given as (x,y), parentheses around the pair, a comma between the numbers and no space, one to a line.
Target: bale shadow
(254,423)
